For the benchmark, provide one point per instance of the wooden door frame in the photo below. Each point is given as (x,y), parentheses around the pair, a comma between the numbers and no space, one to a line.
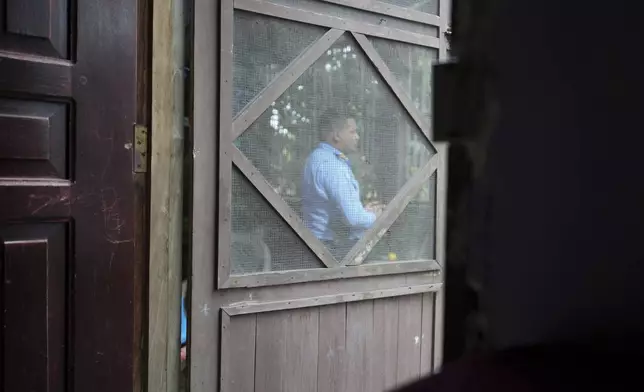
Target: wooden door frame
(213,171)
(166,194)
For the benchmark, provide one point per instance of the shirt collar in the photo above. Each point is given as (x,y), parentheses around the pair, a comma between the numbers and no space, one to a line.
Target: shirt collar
(338,153)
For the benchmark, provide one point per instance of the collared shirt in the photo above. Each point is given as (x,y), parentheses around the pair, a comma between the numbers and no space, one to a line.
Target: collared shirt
(330,193)
(184,324)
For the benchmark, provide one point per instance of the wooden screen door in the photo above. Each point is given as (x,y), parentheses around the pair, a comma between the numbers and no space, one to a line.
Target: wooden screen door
(68,102)
(275,306)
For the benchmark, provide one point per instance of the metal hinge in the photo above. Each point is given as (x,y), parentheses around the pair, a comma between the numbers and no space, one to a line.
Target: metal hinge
(140,148)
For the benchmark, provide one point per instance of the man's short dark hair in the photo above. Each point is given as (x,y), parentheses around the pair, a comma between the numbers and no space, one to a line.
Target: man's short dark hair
(331,120)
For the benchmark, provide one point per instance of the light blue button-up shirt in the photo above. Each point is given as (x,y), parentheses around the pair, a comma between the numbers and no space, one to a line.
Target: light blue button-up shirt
(330,193)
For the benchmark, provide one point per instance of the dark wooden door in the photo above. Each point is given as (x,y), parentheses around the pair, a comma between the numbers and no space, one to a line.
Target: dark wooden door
(68,222)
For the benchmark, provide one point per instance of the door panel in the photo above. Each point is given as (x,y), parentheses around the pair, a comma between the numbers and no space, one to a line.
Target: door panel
(38,27)
(369,345)
(277,305)
(35,281)
(33,139)
(68,83)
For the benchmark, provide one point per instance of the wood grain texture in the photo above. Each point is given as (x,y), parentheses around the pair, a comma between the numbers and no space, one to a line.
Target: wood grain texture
(34,139)
(385,320)
(39,27)
(390,9)
(166,219)
(34,271)
(360,345)
(409,337)
(439,314)
(225,183)
(332,357)
(320,274)
(30,76)
(204,322)
(445,11)
(238,353)
(248,307)
(313,13)
(287,351)
(427,334)
(441,203)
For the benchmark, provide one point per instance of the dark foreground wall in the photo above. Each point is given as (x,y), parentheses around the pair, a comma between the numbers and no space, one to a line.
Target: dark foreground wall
(562,255)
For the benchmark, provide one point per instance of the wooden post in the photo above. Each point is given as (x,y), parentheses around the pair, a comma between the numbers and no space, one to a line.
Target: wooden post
(166,195)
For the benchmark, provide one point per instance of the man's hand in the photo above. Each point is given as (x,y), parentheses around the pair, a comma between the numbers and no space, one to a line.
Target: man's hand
(375,207)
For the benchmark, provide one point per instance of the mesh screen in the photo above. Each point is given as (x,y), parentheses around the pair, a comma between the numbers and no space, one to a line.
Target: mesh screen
(262,48)
(412,66)
(412,236)
(261,240)
(429,6)
(390,147)
(352,14)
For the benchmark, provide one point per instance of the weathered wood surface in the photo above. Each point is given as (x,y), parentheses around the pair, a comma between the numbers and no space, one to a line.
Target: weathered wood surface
(390,9)
(368,345)
(427,334)
(166,210)
(287,351)
(320,274)
(247,307)
(332,356)
(204,321)
(424,35)
(409,336)
(238,353)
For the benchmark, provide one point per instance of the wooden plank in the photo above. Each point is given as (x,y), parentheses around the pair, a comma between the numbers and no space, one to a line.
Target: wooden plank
(385,320)
(427,334)
(308,275)
(390,9)
(441,203)
(166,209)
(284,80)
(285,211)
(225,142)
(409,335)
(324,288)
(441,233)
(248,307)
(287,351)
(332,364)
(322,19)
(204,318)
(445,11)
(360,343)
(392,82)
(238,353)
(439,314)
(392,211)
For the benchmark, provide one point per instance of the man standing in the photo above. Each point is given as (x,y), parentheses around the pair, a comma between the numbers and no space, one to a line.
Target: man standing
(331,205)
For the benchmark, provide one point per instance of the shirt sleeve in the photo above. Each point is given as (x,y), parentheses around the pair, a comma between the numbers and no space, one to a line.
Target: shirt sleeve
(184,324)
(339,185)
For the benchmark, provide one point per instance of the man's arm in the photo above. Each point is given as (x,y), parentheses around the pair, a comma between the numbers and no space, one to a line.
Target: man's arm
(338,185)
